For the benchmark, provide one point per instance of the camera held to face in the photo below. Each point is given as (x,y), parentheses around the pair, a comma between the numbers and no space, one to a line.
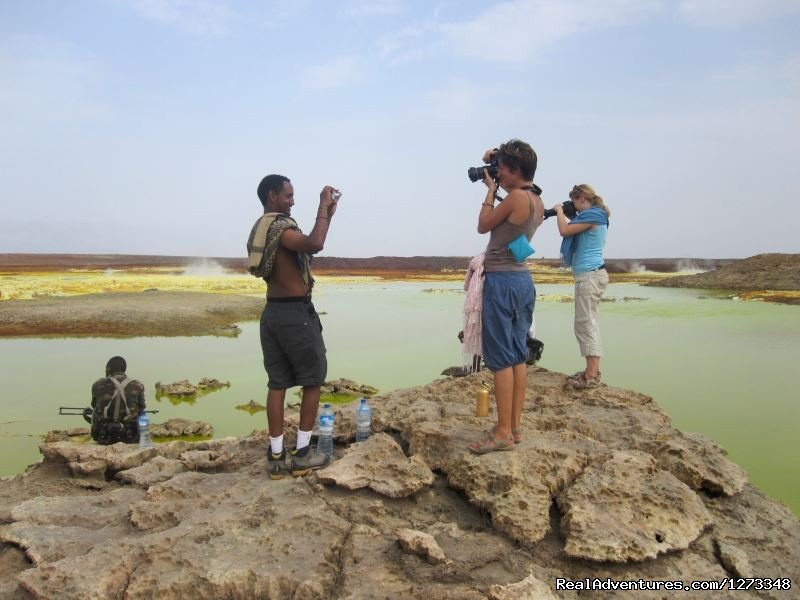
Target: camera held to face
(569,210)
(476,173)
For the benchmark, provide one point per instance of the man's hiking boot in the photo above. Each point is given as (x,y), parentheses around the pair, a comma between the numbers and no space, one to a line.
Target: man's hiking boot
(306,460)
(276,464)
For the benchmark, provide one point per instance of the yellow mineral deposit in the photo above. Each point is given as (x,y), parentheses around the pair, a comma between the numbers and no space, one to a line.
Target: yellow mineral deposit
(73,283)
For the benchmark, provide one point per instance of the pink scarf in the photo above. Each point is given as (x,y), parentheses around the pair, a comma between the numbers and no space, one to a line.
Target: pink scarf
(473,304)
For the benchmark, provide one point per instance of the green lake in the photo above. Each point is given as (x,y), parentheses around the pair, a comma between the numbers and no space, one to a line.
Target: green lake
(719,367)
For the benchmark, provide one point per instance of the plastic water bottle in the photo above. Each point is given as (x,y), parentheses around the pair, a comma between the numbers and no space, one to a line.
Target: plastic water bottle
(325,441)
(363,420)
(145,441)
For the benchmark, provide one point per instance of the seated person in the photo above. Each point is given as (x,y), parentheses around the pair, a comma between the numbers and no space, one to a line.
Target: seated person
(117,401)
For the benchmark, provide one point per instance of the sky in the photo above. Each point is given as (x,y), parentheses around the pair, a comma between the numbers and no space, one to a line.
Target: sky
(145,126)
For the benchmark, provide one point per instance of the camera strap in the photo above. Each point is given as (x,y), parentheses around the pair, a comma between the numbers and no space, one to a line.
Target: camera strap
(533,188)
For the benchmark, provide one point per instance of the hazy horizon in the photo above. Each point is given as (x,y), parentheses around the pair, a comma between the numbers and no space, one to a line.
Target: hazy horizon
(465,256)
(130,125)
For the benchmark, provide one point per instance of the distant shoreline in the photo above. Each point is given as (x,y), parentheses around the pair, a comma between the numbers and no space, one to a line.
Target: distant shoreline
(329,265)
(129,314)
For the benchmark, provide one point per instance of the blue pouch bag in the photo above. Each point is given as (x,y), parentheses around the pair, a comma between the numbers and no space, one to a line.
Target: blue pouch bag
(520,248)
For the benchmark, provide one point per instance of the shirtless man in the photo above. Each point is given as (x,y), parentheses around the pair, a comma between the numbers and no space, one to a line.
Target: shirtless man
(291,332)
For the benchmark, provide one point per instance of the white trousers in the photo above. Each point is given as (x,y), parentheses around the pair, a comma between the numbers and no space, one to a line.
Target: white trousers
(589,288)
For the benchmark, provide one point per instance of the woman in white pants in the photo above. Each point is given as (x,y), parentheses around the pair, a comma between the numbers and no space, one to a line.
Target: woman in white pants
(582,249)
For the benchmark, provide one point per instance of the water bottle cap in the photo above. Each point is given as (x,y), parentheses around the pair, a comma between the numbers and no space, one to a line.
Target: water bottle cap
(363,401)
(326,405)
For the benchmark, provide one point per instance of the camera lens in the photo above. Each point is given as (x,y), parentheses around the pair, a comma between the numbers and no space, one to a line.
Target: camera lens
(475,174)
(569,210)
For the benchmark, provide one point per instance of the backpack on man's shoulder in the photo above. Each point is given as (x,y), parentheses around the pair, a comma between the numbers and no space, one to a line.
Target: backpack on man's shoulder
(117,406)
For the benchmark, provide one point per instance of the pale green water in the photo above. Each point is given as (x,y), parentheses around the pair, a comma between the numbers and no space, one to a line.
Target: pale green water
(719,367)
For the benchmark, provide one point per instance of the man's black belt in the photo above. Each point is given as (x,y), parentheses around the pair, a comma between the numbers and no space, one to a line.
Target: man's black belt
(306,299)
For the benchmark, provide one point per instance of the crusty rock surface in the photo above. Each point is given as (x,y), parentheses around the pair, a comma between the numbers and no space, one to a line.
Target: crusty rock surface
(348,386)
(529,588)
(649,510)
(379,464)
(171,428)
(422,544)
(187,389)
(599,477)
(177,427)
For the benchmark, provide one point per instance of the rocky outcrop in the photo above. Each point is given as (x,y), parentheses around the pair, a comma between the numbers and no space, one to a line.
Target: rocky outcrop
(760,272)
(252,407)
(171,428)
(649,510)
(601,486)
(347,387)
(379,464)
(422,544)
(177,427)
(184,388)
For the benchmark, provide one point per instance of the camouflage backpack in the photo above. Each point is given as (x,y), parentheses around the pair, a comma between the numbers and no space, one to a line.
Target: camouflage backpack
(117,405)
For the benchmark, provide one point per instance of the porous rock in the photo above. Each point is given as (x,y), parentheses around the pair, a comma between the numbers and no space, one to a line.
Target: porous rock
(347,386)
(185,388)
(154,471)
(627,509)
(734,560)
(529,588)
(699,463)
(422,544)
(177,427)
(379,464)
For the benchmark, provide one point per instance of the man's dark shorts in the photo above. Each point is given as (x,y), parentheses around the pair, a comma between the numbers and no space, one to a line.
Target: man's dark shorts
(291,340)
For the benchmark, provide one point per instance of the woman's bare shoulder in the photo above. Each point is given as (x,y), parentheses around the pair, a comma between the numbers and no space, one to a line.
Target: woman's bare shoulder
(518,196)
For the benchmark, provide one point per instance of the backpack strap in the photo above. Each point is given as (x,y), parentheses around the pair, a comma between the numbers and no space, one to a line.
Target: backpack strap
(119,394)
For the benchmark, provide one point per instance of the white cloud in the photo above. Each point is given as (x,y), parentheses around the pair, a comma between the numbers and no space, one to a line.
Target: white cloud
(199,17)
(337,73)
(515,31)
(726,13)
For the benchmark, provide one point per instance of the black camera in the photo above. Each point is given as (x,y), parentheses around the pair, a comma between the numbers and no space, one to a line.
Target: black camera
(535,349)
(476,173)
(569,210)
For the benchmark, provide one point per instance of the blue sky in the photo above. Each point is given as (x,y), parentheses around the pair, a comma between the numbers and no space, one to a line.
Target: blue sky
(144,126)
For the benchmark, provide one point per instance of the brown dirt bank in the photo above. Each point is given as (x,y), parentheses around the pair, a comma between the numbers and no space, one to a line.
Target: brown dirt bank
(129,314)
(774,272)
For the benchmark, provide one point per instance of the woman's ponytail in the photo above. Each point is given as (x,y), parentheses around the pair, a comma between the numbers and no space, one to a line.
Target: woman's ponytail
(598,201)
